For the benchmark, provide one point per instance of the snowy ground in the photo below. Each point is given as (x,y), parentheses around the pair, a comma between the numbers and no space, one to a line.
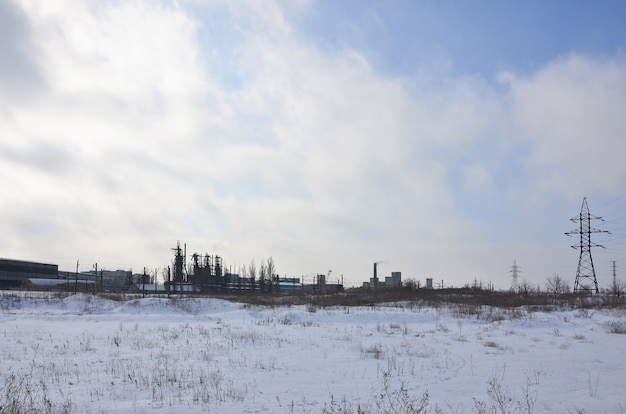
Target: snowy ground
(84,354)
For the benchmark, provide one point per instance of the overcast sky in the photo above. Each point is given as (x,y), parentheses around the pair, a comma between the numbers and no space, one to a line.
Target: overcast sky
(447,139)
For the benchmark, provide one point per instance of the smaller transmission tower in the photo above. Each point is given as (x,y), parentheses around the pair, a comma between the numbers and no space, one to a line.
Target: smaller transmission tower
(586,281)
(515,270)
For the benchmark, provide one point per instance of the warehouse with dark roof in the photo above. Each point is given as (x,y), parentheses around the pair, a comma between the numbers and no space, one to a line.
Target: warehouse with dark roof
(14,272)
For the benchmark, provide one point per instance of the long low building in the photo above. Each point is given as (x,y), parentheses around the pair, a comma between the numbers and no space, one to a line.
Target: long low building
(14,272)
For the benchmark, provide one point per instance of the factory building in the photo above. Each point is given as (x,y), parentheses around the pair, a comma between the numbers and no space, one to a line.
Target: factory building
(395,280)
(14,272)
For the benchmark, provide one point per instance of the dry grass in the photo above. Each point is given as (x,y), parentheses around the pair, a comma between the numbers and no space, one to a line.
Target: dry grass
(466,302)
(617,328)
(463,302)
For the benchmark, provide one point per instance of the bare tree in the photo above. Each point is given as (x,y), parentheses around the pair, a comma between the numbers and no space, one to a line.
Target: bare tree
(271,270)
(243,276)
(252,274)
(262,276)
(411,284)
(526,288)
(557,285)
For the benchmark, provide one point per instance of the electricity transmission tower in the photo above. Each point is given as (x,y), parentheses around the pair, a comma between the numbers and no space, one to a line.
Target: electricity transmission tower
(515,282)
(586,281)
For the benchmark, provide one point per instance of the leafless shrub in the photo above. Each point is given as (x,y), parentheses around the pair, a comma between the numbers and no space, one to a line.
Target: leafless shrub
(389,400)
(467,310)
(374,351)
(400,401)
(617,327)
(118,297)
(529,394)
(501,400)
(617,288)
(341,407)
(19,395)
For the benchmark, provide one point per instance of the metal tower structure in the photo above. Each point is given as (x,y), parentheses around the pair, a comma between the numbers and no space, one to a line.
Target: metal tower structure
(586,281)
(515,275)
(179,263)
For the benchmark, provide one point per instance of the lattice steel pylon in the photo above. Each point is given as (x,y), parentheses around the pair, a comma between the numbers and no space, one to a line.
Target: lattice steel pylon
(515,270)
(586,281)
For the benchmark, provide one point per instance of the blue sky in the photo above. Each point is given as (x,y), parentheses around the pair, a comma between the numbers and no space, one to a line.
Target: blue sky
(447,139)
(471,38)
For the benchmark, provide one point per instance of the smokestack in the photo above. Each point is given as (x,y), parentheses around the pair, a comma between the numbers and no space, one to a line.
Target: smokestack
(375,274)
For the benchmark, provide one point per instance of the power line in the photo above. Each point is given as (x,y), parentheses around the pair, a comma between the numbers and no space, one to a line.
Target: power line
(611,201)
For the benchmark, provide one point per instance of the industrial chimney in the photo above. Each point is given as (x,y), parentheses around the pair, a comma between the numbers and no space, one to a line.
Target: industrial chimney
(375,274)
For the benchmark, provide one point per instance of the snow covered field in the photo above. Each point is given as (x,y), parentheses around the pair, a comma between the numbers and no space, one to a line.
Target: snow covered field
(85,354)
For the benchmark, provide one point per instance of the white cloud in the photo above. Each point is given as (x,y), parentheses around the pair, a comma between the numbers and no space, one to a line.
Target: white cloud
(313,157)
(569,115)
(110,134)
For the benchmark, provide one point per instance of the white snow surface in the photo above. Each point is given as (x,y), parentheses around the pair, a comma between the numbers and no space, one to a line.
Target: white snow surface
(85,354)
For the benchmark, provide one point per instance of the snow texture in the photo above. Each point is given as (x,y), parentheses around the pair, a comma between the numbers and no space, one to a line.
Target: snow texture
(87,354)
